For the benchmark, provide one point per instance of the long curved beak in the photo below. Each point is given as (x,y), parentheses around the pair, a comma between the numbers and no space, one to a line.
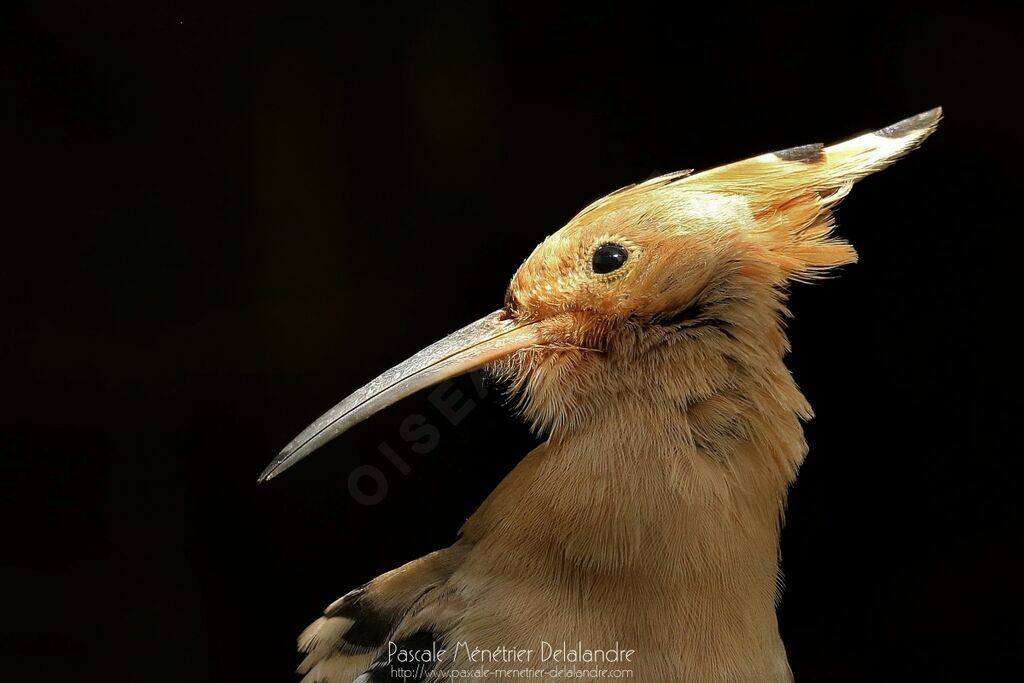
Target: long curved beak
(472,347)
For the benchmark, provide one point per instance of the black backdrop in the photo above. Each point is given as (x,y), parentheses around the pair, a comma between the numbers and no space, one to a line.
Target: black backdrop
(220,220)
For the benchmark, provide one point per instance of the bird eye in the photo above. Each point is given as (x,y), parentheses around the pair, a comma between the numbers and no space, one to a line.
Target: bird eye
(608,257)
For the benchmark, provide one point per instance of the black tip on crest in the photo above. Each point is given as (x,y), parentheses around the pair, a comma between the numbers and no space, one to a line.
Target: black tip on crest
(808,154)
(925,119)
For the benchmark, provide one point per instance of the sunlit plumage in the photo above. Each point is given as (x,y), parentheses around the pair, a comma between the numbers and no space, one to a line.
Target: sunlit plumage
(645,341)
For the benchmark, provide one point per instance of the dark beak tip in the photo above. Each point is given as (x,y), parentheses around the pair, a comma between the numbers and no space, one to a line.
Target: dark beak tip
(270,472)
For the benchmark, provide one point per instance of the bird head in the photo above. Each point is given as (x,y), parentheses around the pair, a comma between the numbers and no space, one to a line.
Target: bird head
(676,268)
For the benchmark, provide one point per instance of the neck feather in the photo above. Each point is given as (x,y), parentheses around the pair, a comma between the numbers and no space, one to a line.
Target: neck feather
(670,492)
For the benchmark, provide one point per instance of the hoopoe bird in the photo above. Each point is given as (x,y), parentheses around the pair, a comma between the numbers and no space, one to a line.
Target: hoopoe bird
(645,339)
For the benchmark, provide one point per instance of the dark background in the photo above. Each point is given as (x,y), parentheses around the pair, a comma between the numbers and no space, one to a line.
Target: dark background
(220,220)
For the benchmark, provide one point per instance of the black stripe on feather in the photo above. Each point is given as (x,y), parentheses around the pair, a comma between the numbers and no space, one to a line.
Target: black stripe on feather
(370,626)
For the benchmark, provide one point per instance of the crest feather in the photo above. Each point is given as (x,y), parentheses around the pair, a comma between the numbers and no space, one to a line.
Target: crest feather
(815,167)
(791,192)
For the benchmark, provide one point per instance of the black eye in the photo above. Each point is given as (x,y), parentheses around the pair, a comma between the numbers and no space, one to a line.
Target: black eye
(608,257)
